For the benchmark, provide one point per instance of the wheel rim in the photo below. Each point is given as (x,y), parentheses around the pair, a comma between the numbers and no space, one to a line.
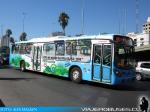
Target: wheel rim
(138,77)
(75,75)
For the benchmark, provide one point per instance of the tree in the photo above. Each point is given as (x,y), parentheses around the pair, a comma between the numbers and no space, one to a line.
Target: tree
(12,40)
(23,36)
(63,20)
(8,32)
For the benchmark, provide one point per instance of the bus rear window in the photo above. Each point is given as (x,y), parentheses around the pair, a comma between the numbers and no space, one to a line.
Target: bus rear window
(21,48)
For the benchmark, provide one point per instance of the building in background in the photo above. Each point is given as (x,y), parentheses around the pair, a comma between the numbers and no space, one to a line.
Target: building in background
(53,34)
(141,39)
(146,26)
(5,41)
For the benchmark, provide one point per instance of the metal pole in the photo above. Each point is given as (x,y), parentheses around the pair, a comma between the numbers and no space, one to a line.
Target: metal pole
(82,14)
(119,22)
(137,16)
(23,24)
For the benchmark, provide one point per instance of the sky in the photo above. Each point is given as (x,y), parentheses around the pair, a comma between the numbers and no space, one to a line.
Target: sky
(41,16)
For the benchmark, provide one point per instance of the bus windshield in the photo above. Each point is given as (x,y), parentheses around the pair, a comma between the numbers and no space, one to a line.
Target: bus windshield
(124,49)
(124,57)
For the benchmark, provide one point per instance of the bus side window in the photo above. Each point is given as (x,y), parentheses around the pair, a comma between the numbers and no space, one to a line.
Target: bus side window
(21,49)
(74,48)
(60,49)
(68,48)
(12,48)
(85,47)
(49,49)
(28,49)
(15,49)
(71,47)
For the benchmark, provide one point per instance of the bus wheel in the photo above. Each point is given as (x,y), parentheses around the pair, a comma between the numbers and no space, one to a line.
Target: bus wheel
(76,75)
(22,66)
(2,62)
(138,76)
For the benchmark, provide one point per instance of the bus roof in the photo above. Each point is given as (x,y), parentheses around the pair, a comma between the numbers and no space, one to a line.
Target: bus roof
(49,39)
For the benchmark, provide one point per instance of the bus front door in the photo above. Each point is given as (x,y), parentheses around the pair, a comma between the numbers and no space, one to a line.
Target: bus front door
(102,62)
(37,51)
(97,62)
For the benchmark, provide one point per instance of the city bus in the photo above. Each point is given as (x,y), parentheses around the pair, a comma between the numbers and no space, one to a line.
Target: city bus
(106,59)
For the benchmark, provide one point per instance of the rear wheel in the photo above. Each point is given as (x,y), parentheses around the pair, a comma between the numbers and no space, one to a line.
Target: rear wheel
(22,66)
(138,76)
(76,75)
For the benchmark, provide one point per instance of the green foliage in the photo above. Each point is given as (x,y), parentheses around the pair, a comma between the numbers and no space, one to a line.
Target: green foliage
(8,32)
(27,64)
(63,20)
(23,36)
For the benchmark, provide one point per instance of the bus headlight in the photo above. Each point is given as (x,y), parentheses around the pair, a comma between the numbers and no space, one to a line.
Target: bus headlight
(118,73)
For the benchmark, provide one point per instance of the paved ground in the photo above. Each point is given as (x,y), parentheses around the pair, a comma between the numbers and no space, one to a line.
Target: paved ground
(34,89)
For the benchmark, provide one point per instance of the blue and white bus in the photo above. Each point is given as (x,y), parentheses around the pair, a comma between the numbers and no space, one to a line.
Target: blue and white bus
(104,59)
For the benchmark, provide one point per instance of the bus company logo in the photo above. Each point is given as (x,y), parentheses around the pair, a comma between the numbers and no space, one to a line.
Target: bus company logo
(67,64)
(144,104)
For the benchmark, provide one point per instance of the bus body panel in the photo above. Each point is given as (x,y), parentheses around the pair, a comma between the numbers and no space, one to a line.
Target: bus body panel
(106,74)
(59,68)
(97,72)
(15,60)
(125,77)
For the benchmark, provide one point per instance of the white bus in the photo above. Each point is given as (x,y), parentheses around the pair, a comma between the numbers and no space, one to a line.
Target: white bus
(101,58)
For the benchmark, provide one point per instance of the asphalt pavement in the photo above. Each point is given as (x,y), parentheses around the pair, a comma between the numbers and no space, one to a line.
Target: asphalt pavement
(36,89)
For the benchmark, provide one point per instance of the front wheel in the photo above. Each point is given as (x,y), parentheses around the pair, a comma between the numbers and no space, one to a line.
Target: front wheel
(76,75)
(22,66)
(138,77)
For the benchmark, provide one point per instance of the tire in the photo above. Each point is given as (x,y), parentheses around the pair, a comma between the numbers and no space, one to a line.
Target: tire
(76,75)
(22,66)
(2,62)
(139,77)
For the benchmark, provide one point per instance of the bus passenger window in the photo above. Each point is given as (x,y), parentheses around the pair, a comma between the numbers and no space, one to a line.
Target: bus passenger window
(12,48)
(85,47)
(74,48)
(15,49)
(68,48)
(60,49)
(21,49)
(28,49)
(49,49)
(71,47)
